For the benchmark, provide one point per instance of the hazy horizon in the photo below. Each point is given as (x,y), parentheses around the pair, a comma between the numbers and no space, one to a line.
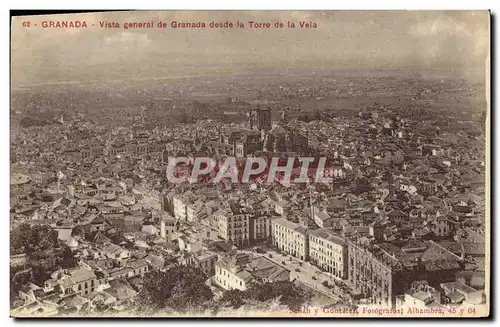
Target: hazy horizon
(455,41)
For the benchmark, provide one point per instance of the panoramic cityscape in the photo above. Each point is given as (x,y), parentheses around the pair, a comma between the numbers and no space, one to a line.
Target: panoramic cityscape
(307,190)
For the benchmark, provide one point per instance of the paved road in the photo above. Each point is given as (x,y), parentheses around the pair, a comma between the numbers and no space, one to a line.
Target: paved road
(304,272)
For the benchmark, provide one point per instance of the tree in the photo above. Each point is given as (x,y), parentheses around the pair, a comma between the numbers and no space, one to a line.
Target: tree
(19,276)
(180,288)
(67,258)
(25,238)
(78,230)
(39,274)
(288,293)
(233,298)
(100,306)
(20,238)
(43,238)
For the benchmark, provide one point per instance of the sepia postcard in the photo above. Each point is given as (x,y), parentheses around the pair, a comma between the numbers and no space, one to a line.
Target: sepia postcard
(250,164)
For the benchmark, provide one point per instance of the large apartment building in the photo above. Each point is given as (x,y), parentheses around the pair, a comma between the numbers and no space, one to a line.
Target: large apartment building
(372,272)
(290,238)
(382,272)
(260,229)
(328,251)
(234,228)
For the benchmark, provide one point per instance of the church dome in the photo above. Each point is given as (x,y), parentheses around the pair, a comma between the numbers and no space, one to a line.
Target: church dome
(276,130)
(97,221)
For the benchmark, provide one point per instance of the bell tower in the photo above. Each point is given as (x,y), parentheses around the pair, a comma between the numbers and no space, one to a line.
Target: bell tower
(260,119)
(264,118)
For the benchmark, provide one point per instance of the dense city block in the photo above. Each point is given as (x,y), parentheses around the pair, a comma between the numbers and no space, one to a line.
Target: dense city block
(97,228)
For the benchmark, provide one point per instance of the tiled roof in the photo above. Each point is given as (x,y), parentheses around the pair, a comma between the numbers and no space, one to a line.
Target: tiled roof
(327,235)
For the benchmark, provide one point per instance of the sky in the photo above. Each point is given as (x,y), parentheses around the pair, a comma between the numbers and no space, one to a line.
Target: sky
(451,40)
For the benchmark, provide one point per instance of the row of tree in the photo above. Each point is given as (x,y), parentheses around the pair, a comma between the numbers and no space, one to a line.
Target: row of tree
(184,289)
(286,293)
